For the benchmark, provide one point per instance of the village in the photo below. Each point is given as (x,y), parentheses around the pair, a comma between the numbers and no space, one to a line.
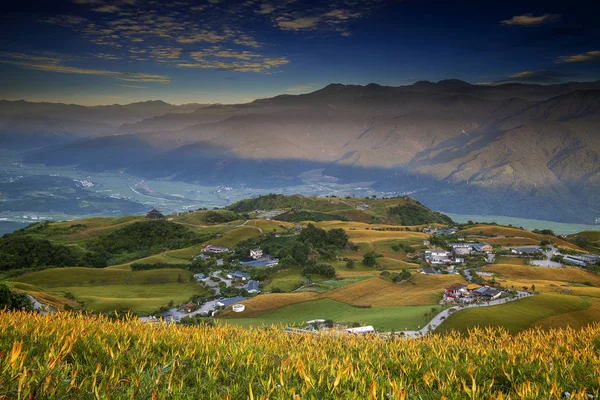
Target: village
(233,277)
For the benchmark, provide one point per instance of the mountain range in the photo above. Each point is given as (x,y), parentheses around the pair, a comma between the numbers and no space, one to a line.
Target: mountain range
(512,149)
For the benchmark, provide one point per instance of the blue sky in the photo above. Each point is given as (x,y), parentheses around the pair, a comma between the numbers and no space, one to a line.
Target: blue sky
(120,51)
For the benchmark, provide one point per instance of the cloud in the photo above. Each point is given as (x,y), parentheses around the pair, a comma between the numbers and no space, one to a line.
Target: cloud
(55,64)
(105,56)
(530,20)
(541,76)
(590,56)
(133,86)
(300,88)
(68,21)
(107,9)
(231,60)
(332,16)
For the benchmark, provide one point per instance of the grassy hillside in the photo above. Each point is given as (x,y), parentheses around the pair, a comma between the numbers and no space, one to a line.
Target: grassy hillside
(382,318)
(515,316)
(110,289)
(400,211)
(74,356)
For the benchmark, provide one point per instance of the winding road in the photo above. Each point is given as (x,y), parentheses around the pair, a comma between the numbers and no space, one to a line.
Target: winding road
(441,317)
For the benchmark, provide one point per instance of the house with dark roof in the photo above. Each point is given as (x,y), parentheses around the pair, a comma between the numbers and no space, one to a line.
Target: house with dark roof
(154,214)
(445,232)
(252,286)
(244,276)
(265,261)
(574,261)
(488,293)
(225,302)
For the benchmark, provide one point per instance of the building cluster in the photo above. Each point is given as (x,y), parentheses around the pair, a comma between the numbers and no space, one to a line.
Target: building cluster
(581,260)
(461,293)
(439,231)
(449,259)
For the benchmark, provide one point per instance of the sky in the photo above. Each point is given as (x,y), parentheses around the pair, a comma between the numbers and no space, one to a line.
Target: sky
(93,52)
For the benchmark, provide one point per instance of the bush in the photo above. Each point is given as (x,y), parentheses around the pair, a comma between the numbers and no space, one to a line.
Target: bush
(12,300)
(370,259)
(322,269)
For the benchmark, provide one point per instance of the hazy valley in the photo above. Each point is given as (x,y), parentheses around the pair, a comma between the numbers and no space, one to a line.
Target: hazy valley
(516,150)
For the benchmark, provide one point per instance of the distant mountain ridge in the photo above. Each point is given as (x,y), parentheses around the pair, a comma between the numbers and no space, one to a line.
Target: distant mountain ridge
(518,149)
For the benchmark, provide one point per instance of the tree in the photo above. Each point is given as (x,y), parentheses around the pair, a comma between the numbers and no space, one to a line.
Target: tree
(350,264)
(370,259)
(14,300)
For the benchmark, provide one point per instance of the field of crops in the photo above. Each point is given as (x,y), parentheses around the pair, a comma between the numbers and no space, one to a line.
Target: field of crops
(75,357)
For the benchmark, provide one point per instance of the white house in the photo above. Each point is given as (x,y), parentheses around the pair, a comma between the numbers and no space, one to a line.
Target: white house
(361,329)
(256,253)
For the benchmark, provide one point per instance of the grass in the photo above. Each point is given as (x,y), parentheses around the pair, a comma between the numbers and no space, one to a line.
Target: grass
(65,356)
(110,289)
(270,302)
(511,260)
(236,235)
(530,273)
(143,298)
(575,319)
(382,318)
(427,289)
(515,316)
(289,279)
(76,276)
(485,231)
(511,241)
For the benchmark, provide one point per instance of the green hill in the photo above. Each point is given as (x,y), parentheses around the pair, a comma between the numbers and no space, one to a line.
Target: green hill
(398,210)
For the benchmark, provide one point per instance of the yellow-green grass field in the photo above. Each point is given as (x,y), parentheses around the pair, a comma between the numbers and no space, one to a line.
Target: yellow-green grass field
(575,319)
(288,279)
(488,231)
(511,260)
(57,302)
(511,241)
(142,298)
(236,235)
(376,292)
(271,225)
(517,315)
(572,281)
(270,302)
(108,289)
(69,231)
(81,276)
(382,318)
(526,273)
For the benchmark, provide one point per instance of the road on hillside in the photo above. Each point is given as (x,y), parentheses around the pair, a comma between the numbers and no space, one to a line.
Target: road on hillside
(209,305)
(548,261)
(441,317)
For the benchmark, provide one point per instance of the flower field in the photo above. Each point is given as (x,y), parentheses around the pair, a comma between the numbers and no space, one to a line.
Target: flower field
(67,356)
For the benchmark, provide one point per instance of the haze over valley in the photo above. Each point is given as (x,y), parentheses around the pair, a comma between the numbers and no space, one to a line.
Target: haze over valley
(518,150)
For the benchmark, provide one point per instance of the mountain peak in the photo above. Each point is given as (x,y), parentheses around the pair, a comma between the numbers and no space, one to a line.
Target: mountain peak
(453,82)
